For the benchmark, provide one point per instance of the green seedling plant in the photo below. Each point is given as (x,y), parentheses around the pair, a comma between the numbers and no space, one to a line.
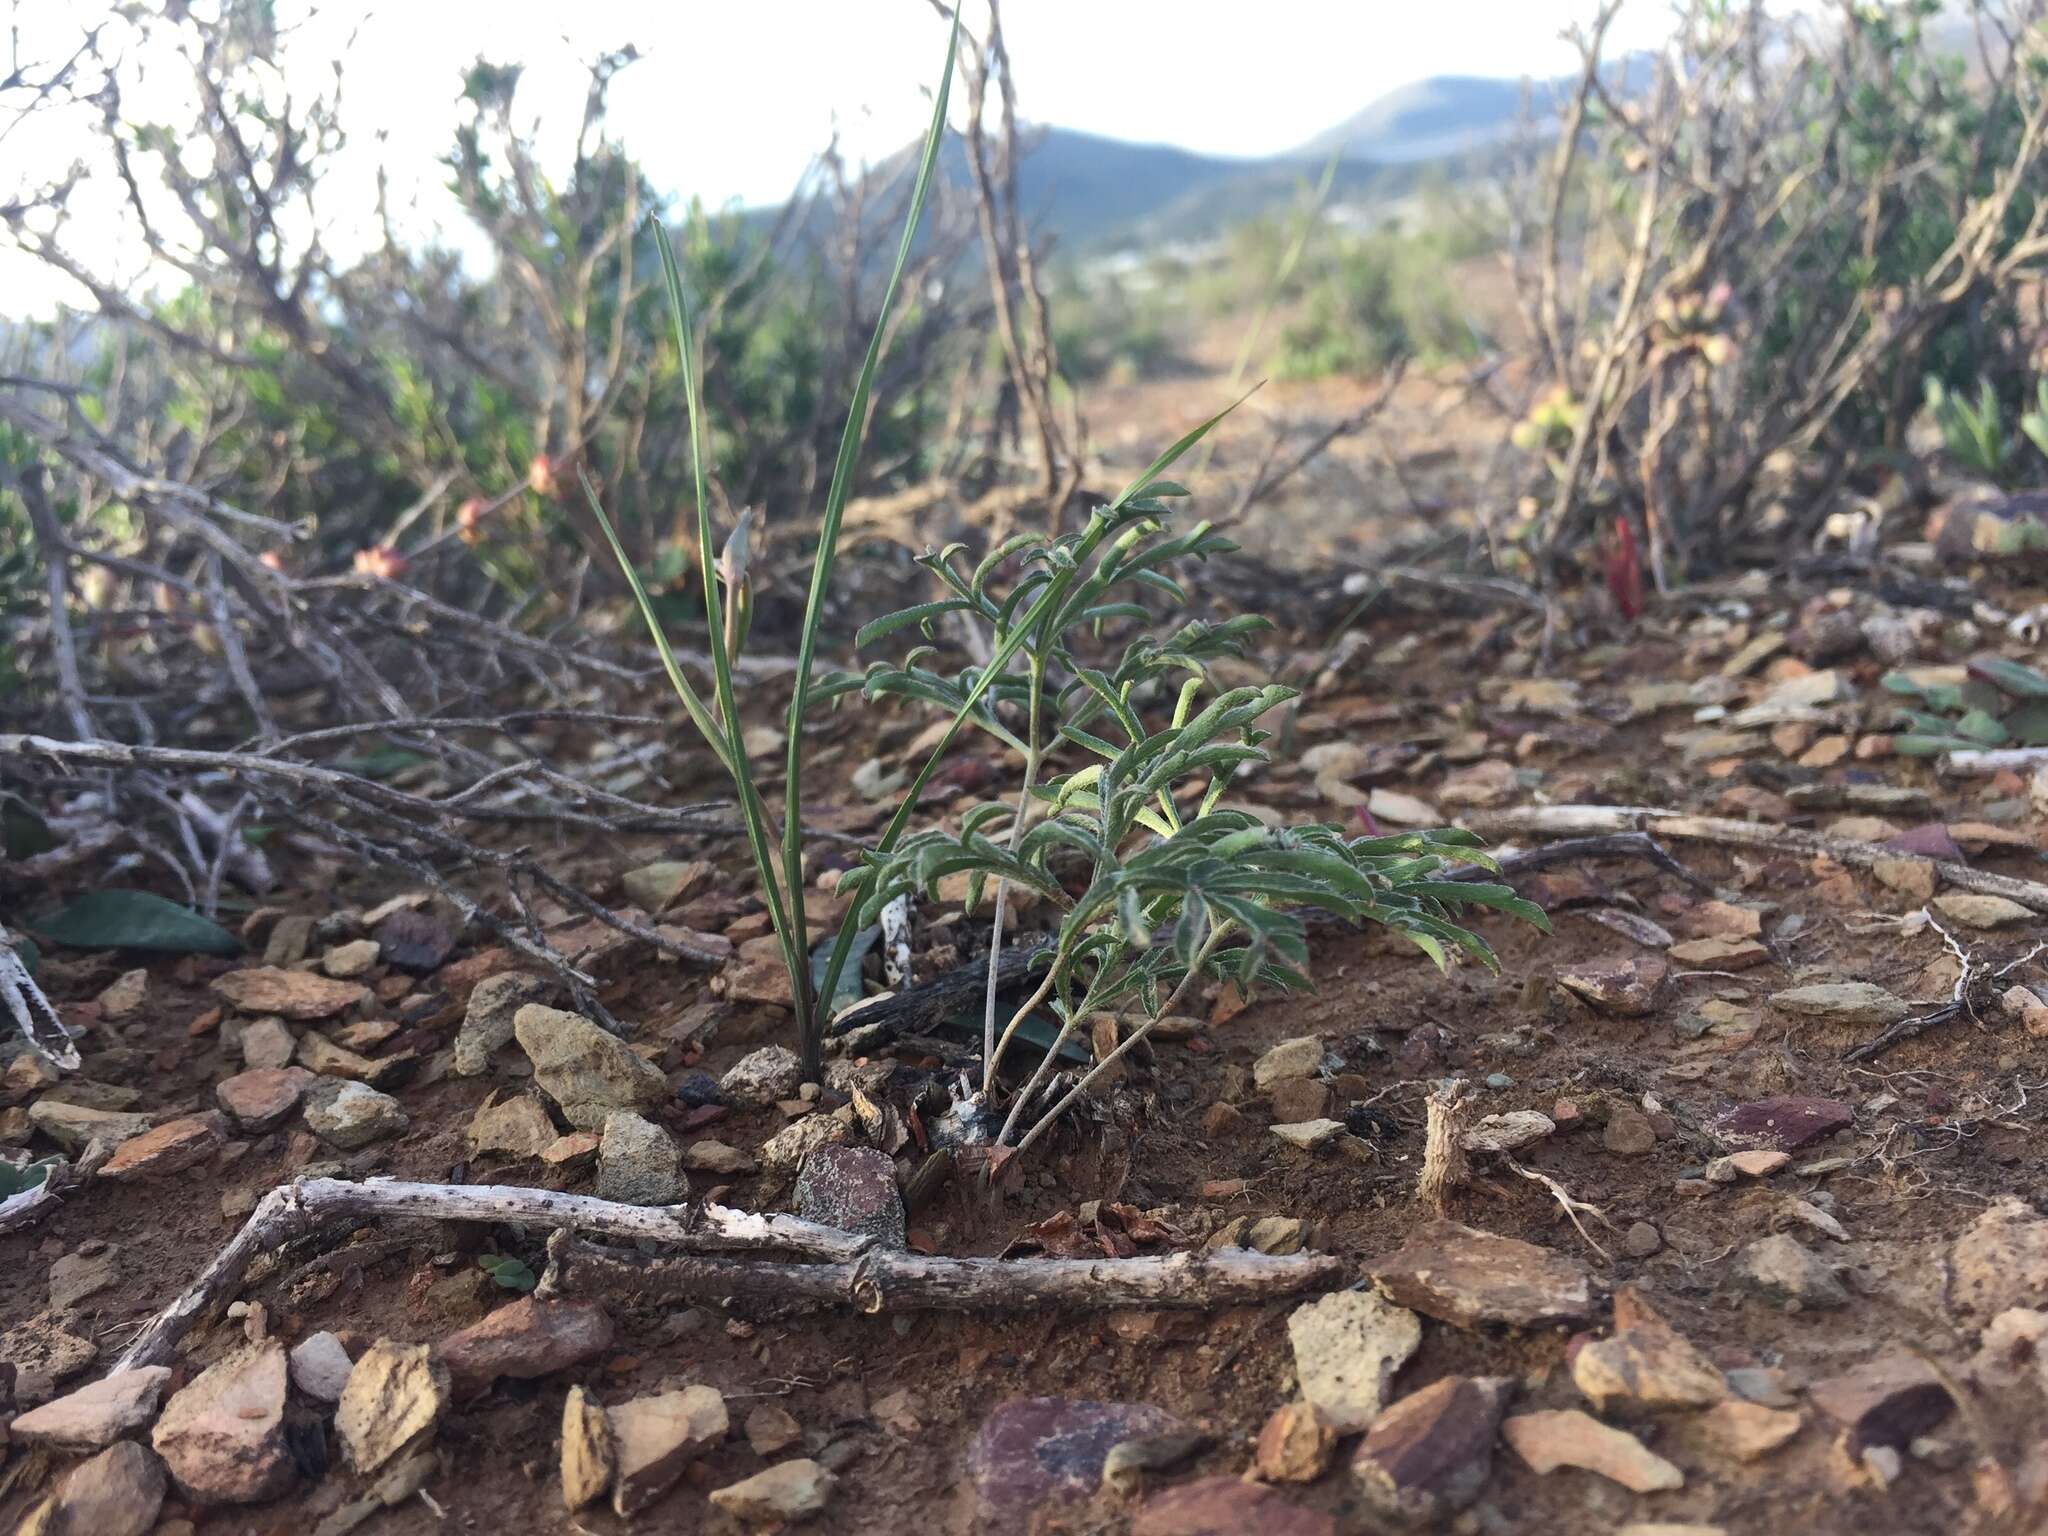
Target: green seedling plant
(1174,884)
(2000,703)
(1156,880)
(1972,431)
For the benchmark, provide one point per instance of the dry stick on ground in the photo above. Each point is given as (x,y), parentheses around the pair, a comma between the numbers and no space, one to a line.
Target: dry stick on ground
(1571,1205)
(890,1280)
(1959,1002)
(291,1211)
(1444,1164)
(1581,820)
(1982,765)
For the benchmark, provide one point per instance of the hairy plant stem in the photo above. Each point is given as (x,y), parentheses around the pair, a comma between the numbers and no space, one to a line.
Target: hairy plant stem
(1201,959)
(995,942)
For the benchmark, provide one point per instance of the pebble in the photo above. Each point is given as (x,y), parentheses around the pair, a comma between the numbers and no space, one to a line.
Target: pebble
(1347,1347)
(1782,1270)
(96,1415)
(297,995)
(589,1458)
(853,1189)
(588,1072)
(262,1098)
(1467,1277)
(786,1493)
(119,1492)
(1295,1445)
(1033,1453)
(656,1438)
(1852,1004)
(319,1367)
(222,1436)
(1309,1134)
(1429,1455)
(638,1162)
(762,1077)
(395,1399)
(1641,1240)
(1297,1058)
(1566,1437)
(351,1115)
(487,1020)
(516,1127)
(170,1148)
(525,1339)
(1227,1506)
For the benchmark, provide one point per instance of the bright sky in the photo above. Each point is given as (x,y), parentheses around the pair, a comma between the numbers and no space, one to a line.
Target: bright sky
(733,98)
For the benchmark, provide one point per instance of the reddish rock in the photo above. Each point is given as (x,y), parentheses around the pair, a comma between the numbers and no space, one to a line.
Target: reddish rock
(853,1189)
(414,941)
(288,994)
(223,1435)
(1227,1506)
(170,1148)
(263,1098)
(1295,1445)
(656,1438)
(1032,1452)
(1786,1123)
(1464,1276)
(95,1415)
(1884,1402)
(525,1339)
(1429,1454)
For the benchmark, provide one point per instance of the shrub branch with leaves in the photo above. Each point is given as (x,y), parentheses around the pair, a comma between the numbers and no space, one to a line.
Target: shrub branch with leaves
(1174,885)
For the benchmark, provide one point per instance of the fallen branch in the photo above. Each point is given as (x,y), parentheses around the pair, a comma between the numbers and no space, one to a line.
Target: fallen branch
(1585,820)
(883,1280)
(1983,764)
(291,1211)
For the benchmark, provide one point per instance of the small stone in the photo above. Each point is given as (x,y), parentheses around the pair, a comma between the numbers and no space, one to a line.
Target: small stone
(757,973)
(853,1189)
(73,1126)
(1347,1346)
(1746,1431)
(718,1158)
(369,1035)
(1298,1099)
(1885,1402)
(320,1367)
(1915,879)
(517,1127)
(1310,1134)
(79,1275)
(1641,1240)
(1787,1123)
(1296,1445)
(574,1153)
(171,1148)
(117,1493)
(585,1070)
(1429,1455)
(1629,1132)
(222,1436)
(771,1430)
(268,1043)
(96,1415)
(1467,1277)
(1756,1163)
(415,941)
(1569,1438)
(762,1077)
(44,1353)
(351,1115)
(1999,1263)
(1289,1059)
(326,1058)
(656,1439)
(1718,954)
(1227,1506)
(668,882)
(289,994)
(1851,1004)
(262,1098)
(788,1149)
(638,1163)
(1973,910)
(1033,1453)
(786,1493)
(396,1397)
(589,1458)
(1510,1132)
(1125,1468)
(487,1021)
(1626,987)
(525,1339)
(1647,1369)
(1782,1270)
(346,962)
(290,937)
(125,997)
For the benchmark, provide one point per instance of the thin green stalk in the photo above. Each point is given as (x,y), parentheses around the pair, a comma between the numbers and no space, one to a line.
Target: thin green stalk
(1032,753)
(789,933)
(1072,1022)
(1128,1043)
(828,545)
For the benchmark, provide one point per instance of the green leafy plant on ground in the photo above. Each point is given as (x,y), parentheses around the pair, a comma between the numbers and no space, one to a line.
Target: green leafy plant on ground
(1174,885)
(1999,703)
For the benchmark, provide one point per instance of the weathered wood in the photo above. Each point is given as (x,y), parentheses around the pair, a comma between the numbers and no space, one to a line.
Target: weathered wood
(883,1280)
(921,1009)
(292,1210)
(1585,820)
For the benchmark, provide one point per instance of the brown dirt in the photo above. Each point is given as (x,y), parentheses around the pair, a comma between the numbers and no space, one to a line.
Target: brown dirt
(1945,1125)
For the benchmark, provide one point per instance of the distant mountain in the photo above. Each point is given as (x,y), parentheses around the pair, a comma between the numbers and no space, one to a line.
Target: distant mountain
(1445,115)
